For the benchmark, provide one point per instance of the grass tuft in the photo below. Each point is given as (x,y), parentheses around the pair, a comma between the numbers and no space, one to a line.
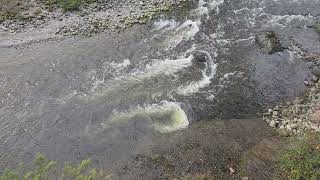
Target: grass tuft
(41,168)
(317,28)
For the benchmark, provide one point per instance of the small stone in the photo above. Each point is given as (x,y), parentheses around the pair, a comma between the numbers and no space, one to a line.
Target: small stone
(270,111)
(316,71)
(315,117)
(283,133)
(306,83)
(285,112)
(232,171)
(315,78)
(314,126)
(275,113)
(313,90)
(294,126)
(284,123)
(245,178)
(272,123)
(276,108)
(297,101)
(288,127)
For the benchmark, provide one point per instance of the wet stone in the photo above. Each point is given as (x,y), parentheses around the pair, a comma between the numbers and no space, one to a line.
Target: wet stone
(316,71)
(200,56)
(276,108)
(283,133)
(269,42)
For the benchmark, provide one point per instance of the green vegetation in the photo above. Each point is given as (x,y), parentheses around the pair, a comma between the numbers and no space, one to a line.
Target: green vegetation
(161,8)
(147,15)
(42,169)
(317,28)
(301,160)
(12,9)
(66,5)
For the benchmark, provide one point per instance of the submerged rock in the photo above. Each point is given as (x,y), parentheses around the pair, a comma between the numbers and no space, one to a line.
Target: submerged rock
(269,42)
(200,56)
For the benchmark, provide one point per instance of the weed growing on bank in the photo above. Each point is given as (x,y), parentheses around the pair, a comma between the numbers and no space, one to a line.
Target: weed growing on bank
(317,28)
(12,9)
(66,5)
(302,160)
(43,169)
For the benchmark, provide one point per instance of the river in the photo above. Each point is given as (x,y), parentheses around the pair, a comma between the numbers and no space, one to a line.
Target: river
(101,97)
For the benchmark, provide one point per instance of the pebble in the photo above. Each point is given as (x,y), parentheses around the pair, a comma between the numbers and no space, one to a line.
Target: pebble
(294,126)
(315,78)
(272,123)
(275,113)
(297,101)
(232,171)
(283,133)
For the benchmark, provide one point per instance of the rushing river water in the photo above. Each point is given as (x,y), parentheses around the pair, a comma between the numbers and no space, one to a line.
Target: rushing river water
(99,97)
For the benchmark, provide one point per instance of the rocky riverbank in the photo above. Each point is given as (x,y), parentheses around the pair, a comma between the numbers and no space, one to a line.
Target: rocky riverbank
(303,113)
(37,22)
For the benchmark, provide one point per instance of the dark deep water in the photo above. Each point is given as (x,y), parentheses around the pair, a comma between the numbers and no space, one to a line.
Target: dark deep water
(101,97)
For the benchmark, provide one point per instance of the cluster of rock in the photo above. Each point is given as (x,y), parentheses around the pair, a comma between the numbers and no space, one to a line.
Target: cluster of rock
(89,19)
(300,115)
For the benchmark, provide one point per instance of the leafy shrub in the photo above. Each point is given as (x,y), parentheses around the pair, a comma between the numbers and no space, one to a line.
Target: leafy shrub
(42,169)
(302,160)
(316,28)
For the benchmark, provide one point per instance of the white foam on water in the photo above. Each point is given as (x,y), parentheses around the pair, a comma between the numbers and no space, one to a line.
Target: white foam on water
(195,86)
(164,117)
(167,66)
(205,7)
(287,19)
(207,74)
(117,67)
(184,32)
(165,25)
(154,68)
(214,5)
(188,29)
(226,76)
(120,66)
(211,97)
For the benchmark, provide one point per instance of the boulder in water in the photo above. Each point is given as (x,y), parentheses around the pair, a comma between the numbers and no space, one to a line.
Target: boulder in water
(269,42)
(200,56)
